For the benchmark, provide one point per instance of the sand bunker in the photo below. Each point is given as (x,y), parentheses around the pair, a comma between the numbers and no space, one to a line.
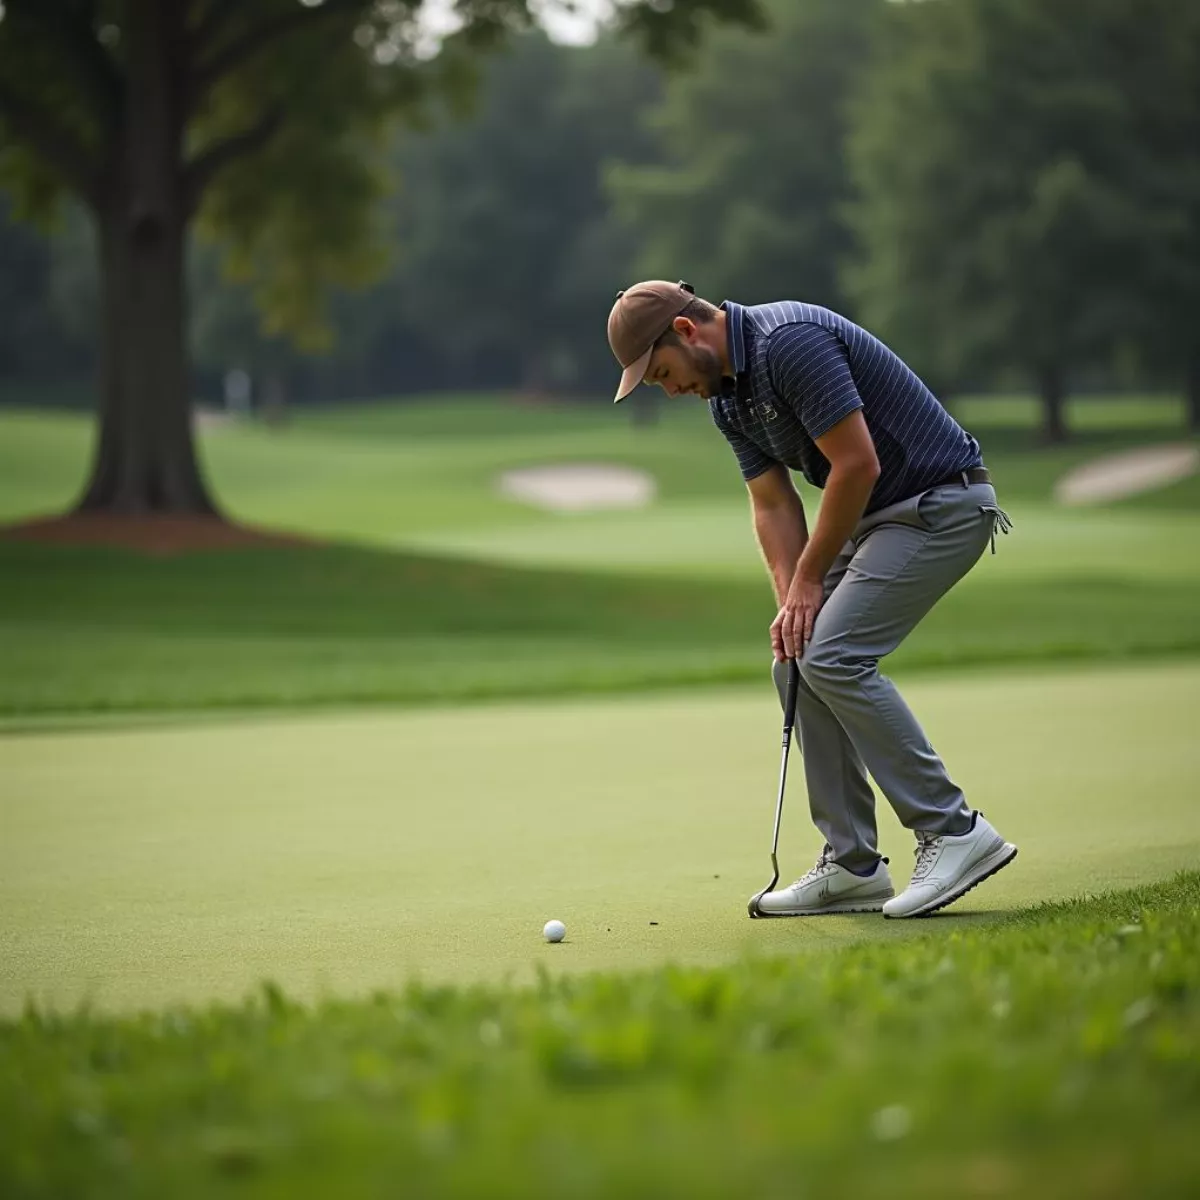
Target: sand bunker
(1118,475)
(207,418)
(579,487)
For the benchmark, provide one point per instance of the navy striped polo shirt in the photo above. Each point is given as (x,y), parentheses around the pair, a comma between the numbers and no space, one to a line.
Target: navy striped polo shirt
(800,369)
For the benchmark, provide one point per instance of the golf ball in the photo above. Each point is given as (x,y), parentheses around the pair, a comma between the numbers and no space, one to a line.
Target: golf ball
(554,931)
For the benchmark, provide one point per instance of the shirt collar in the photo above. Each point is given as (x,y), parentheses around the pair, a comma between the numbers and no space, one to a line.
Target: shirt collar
(735,334)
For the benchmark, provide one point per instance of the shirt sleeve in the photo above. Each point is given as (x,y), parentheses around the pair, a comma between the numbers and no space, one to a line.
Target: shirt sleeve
(810,370)
(751,459)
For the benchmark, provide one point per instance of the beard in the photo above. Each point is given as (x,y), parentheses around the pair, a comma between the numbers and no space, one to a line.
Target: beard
(707,365)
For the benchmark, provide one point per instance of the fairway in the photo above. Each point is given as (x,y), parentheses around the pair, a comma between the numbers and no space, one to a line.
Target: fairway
(710,539)
(422,475)
(340,853)
(672,595)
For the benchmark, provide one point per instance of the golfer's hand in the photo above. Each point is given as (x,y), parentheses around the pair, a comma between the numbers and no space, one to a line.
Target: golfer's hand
(792,630)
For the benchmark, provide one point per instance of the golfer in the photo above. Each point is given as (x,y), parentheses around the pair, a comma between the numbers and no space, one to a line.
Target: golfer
(908,508)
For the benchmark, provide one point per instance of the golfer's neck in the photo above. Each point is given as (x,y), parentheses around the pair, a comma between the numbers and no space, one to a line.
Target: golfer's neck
(722,324)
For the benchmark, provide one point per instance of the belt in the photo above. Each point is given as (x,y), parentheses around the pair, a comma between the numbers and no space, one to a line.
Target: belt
(966,478)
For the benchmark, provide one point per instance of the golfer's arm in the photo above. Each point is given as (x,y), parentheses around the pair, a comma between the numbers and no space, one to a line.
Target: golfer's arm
(780,525)
(853,470)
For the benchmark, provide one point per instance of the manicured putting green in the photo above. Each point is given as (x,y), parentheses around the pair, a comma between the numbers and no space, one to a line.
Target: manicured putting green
(336,854)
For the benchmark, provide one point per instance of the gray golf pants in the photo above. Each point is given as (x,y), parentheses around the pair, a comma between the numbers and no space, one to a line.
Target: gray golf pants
(850,719)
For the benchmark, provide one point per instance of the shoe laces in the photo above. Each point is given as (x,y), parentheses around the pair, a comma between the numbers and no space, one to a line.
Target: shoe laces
(928,845)
(822,866)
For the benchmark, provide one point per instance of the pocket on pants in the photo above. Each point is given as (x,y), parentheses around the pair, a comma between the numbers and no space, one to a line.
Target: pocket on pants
(903,512)
(950,505)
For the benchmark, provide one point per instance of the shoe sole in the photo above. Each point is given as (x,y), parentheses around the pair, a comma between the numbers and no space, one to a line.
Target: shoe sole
(870,906)
(984,869)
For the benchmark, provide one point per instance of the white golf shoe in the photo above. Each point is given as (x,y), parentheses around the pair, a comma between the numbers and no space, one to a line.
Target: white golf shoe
(949,866)
(829,888)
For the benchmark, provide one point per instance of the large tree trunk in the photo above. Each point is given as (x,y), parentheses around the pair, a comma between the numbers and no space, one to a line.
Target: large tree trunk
(1053,390)
(145,457)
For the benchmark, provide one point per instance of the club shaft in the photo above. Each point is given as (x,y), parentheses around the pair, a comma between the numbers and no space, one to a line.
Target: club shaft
(789,721)
(779,803)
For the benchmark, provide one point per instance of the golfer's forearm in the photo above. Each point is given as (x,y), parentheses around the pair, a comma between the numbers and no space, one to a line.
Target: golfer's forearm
(847,491)
(782,534)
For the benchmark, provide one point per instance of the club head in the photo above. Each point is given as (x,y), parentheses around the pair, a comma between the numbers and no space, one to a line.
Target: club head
(753,908)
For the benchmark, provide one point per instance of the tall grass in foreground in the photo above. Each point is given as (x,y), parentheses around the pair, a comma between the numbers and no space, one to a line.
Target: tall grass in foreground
(1047,1054)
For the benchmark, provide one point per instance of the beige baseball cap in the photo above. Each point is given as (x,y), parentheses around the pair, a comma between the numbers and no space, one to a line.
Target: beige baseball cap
(641,315)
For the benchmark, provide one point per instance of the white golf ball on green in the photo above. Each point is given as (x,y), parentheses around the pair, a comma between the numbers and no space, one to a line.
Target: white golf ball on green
(554,931)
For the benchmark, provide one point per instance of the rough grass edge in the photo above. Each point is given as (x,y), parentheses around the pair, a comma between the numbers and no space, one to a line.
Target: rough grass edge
(20,718)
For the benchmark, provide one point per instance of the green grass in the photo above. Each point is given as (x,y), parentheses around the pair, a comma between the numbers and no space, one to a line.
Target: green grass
(1085,415)
(715,540)
(166,844)
(340,852)
(1050,1053)
(101,631)
(672,595)
(408,474)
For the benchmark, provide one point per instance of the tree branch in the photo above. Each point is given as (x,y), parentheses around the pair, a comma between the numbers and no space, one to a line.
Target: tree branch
(58,146)
(72,30)
(255,39)
(201,170)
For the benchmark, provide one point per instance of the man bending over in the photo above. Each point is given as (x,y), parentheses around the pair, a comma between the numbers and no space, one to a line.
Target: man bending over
(908,508)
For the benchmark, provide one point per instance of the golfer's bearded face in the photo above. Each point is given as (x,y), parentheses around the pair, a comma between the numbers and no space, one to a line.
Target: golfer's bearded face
(680,369)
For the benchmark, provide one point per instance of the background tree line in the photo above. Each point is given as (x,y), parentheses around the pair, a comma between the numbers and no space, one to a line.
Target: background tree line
(1008,191)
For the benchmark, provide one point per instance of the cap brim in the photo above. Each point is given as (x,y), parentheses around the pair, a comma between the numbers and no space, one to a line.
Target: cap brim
(632,376)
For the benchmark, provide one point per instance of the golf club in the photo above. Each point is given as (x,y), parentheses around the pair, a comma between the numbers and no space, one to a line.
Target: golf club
(789,720)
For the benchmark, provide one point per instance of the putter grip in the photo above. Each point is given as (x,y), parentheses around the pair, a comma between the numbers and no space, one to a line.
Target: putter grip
(789,704)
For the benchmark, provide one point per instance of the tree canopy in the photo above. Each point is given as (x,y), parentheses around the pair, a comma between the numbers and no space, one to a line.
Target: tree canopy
(746,190)
(262,120)
(1024,192)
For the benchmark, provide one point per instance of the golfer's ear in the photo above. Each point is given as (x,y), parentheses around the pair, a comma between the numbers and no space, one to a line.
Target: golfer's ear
(685,327)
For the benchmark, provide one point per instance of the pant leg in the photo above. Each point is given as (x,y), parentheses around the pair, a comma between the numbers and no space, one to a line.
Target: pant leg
(905,560)
(840,798)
